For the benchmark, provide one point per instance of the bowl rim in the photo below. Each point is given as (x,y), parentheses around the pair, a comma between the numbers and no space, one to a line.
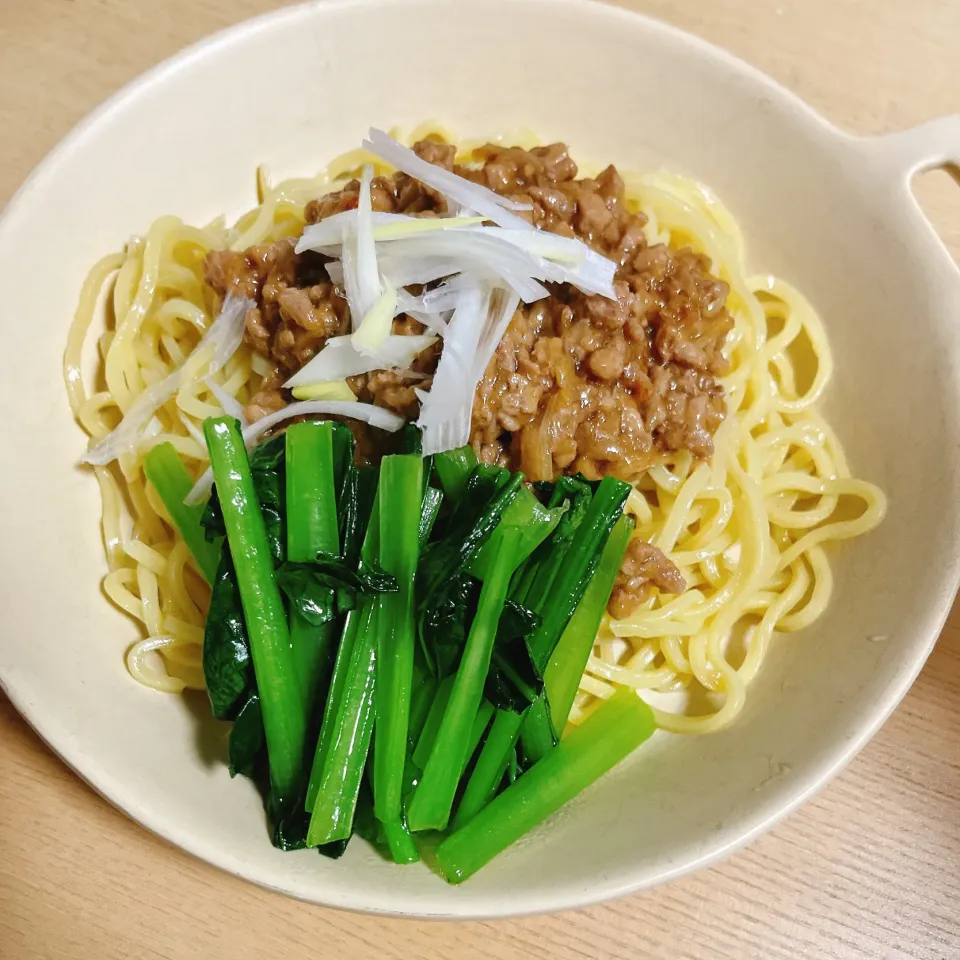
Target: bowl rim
(834,759)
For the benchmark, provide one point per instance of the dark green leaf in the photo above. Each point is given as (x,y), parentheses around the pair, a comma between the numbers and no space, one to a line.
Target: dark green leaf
(453,469)
(227,667)
(290,833)
(410,440)
(212,518)
(354,505)
(432,499)
(446,597)
(316,597)
(515,621)
(288,822)
(247,743)
(369,579)
(343,453)
(327,588)
(366,825)
(487,495)
(576,493)
(269,456)
(513,682)
(570,568)
(445,626)
(535,524)
(269,480)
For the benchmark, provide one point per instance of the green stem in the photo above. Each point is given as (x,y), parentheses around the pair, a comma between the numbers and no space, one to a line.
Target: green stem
(539,735)
(569,658)
(424,694)
(355,624)
(428,736)
(450,557)
(432,498)
(580,560)
(335,802)
(168,476)
(532,585)
(284,721)
(400,841)
(602,741)
(480,723)
(401,496)
(490,767)
(311,495)
(312,650)
(432,800)
(534,522)
(454,468)
(311,529)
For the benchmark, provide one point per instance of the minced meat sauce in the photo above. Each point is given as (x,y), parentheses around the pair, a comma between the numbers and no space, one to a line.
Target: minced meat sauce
(579,383)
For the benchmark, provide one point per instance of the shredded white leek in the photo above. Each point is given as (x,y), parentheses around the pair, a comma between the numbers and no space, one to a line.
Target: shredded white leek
(340,359)
(445,410)
(228,403)
(220,342)
(368,276)
(464,192)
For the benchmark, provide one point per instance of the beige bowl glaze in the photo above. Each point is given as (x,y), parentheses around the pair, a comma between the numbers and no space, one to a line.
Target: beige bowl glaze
(831,213)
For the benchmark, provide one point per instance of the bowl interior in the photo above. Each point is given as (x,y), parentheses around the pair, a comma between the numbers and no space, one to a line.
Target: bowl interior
(187,138)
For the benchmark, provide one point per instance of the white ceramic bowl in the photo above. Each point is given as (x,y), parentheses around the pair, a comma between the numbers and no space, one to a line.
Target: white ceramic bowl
(829,212)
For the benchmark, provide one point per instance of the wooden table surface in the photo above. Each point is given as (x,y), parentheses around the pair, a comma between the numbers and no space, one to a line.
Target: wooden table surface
(869,868)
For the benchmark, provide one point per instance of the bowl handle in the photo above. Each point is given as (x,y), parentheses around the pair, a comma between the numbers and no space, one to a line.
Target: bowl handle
(928,146)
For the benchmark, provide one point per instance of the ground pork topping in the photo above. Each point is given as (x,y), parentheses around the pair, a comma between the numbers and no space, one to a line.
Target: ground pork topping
(578,383)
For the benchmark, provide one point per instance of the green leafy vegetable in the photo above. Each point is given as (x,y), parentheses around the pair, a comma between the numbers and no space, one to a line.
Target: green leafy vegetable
(488,494)
(572,496)
(267,471)
(569,659)
(169,477)
(433,798)
(401,503)
(497,752)
(530,518)
(311,495)
(227,666)
(454,468)
(444,629)
(346,672)
(432,499)
(444,592)
(579,562)
(344,759)
(441,635)
(246,739)
(274,667)
(348,720)
(512,683)
(325,589)
(312,528)
(605,738)
(431,726)
(355,503)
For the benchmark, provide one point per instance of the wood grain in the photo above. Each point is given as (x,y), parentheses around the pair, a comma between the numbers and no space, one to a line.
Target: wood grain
(868,869)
